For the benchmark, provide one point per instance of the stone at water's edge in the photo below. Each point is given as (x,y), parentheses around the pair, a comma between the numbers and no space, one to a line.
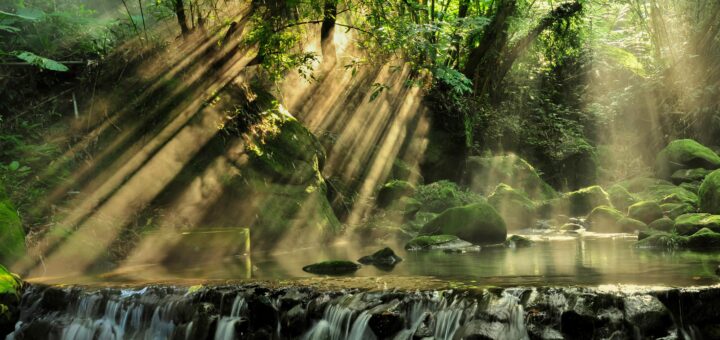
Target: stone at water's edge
(583,201)
(630,225)
(689,224)
(516,209)
(645,211)
(685,154)
(662,224)
(620,197)
(384,257)
(335,267)
(709,193)
(605,219)
(259,311)
(431,242)
(476,223)
(517,241)
(10,291)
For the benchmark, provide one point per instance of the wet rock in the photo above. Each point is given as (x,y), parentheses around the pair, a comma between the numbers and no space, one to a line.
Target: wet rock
(386,324)
(571,227)
(620,197)
(543,224)
(648,314)
(436,242)
(264,314)
(704,239)
(463,250)
(517,241)
(583,201)
(478,223)
(689,175)
(382,258)
(516,209)
(442,195)
(482,330)
(673,210)
(334,267)
(294,322)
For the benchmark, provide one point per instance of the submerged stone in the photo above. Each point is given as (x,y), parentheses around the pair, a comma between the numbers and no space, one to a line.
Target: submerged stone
(646,211)
(384,258)
(685,154)
(517,241)
(709,193)
(334,267)
(430,242)
(477,223)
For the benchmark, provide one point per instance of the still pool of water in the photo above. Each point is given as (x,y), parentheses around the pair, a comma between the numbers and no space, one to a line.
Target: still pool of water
(588,260)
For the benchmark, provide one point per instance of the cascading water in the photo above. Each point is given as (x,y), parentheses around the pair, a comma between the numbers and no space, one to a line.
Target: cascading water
(238,312)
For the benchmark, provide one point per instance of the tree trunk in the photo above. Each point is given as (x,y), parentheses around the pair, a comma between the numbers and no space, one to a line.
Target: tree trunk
(181,18)
(327,31)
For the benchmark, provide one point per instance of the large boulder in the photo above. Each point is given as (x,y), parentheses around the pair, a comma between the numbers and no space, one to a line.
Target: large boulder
(689,175)
(685,154)
(689,224)
(620,197)
(483,174)
(645,211)
(12,235)
(514,206)
(704,239)
(605,219)
(673,210)
(662,224)
(631,225)
(478,223)
(439,196)
(710,193)
(583,201)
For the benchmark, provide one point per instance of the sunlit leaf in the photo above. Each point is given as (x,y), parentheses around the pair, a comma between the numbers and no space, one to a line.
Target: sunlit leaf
(14,165)
(42,62)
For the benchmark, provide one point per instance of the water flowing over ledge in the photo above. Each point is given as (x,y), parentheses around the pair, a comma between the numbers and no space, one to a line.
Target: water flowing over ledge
(261,311)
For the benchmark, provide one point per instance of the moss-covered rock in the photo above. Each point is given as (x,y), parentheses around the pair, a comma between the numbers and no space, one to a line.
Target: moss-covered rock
(689,224)
(689,175)
(404,171)
(673,210)
(605,219)
(517,241)
(662,224)
(430,242)
(668,193)
(383,258)
(685,154)
(483,174)
(12,235)
(10,292)
(693,187)
(620,197)
(709,193)
(514,206)
(441,195)
(631,225)
(332,267)
(478,223)
(583,201)
(641,183)
(703,239)
(662,240)
(392,191)
(645,211)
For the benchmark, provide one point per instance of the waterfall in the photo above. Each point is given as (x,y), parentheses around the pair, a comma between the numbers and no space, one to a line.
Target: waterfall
(226,324)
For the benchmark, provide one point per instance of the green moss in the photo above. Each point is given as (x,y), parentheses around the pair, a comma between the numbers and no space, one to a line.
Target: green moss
(332,267)
(662,240)
(517,241)
(477,223)
(620,197)
(662,224)
(583,201)
(630,225)
(646,211)
(514,206)
(9,282)
(689,224)
(483,174)
(704,239)
(685,154)
(403,171)
(710,193)
(393,191)
(12,235)
(638,184)
(673,210)
(689,175)
(667,193)
(693,187)
(605,219)
(429,241)
(441,195)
